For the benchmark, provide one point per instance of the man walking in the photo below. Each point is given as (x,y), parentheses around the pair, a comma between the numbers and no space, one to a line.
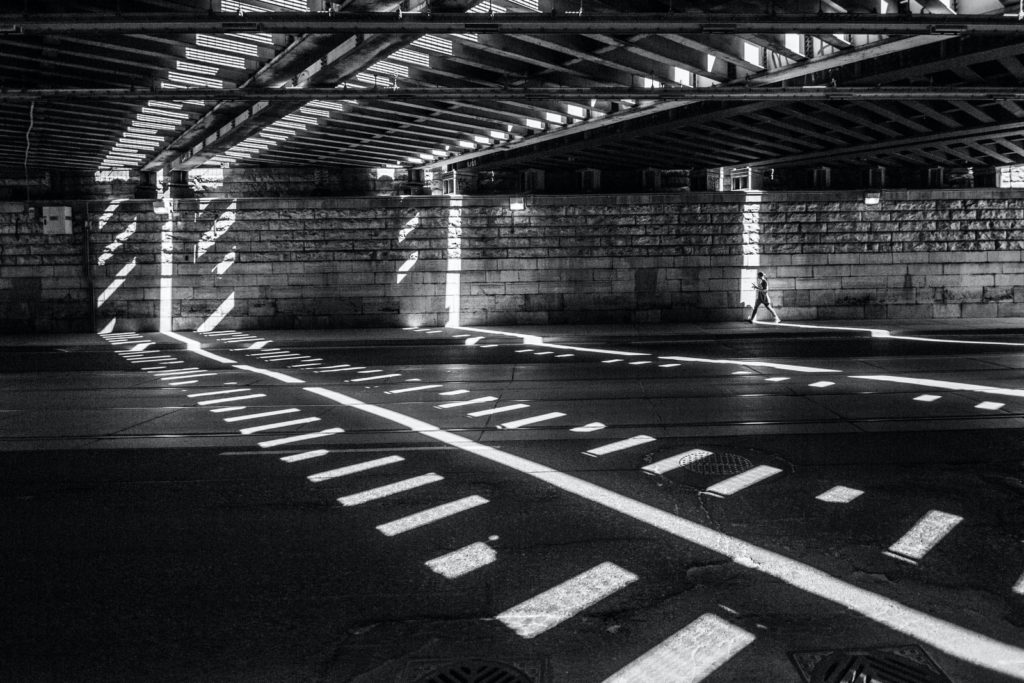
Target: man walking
(761,285)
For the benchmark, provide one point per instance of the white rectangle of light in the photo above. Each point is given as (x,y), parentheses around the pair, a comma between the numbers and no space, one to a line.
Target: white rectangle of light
(462,561)
(676,461)
(269,413)
(743,480)
(927,398)
(305,455)
(301,437)
(839,494)
(374,377)
(230,399)
(620,445)
(430,516)
(924,535)
(390,489)
(500,409)
(516,424)
(689,655)
(555,605)
(418,387)
(472,401)
(989,405)
(278,425)
(353,469)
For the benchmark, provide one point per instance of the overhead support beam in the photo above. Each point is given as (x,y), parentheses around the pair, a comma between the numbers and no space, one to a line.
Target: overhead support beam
(718,93)
(412,23)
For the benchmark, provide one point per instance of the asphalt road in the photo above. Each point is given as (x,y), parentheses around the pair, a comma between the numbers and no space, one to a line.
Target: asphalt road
(231,507)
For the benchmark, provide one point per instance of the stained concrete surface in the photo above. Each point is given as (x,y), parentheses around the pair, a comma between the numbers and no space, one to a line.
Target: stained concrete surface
(149,539)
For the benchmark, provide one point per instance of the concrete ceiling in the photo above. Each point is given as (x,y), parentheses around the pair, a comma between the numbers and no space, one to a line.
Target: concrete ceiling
(509,84)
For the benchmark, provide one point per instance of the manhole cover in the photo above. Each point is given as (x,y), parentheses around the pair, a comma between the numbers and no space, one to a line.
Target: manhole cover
(715,464)
(901,664)
(473,671)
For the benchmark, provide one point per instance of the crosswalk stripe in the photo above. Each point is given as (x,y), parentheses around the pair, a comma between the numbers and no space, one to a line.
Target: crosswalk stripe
(555,605)
(676,461)
(689,655)
(300,437)
(462,561)
(278,425)
(632,441)
(516,424)
(500,409)
(430,516)
(352,469)
(390,489)
(306,455)
(924,535)
(743,480)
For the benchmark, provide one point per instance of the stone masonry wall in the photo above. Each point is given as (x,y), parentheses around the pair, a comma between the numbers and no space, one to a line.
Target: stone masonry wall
(390,261)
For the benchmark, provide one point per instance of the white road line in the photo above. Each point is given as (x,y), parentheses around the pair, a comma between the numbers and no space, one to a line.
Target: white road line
(555,605)
(161,363)
(352,469)
(743,480)
(472,401)
(924,535)
(253,416)
(307,455)
(348,369)
(229,399)
(942,384)
(390,489)
(278,359)
(434,514)
(187,376)
(419,387)
(216,393)
(311,364)
(278,425)
(154,359)
(463,561)
(300,437)
(188,381)
(612,360)
(516,424)
(620,445)
(279,376)
(839,494)
(374,377)
(369,372)
(957,641)
(676,461)
(501,409)
(175,372)
(335,367)
(689,655)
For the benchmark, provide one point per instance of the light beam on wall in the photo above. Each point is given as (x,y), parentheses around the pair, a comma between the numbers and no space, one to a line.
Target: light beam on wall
(404,269)
(122,237)
(220,226)
(751,237)
(226,262)
(116,283)
(218,316)
(453,281)
(166,265)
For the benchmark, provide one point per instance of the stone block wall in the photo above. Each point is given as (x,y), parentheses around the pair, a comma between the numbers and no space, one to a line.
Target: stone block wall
(391,261)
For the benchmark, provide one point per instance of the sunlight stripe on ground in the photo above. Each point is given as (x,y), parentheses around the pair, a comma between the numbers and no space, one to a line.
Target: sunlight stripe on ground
(555,605)
(500,409)
(278,425)
(374,377)
(463,561)
(352,469)
(390,489)
(306,455)
(924,535)
(430,516)
(839,494)
(187,376)
(269,413)
(689,655)
(187,381)
(217,393)
(301,437)
(676,461)
(418,387)
(351,368)
(743,480)
(620,445)
(229,399)
(472,401)
(516,424)
(1019,586)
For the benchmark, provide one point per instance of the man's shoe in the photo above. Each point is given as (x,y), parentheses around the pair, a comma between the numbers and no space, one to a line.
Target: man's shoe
(777,320)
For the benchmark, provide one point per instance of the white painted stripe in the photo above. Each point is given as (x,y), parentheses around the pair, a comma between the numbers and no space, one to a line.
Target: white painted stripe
(419,387)
(743,480)
(390,489)
(555,605)
(620,445)
(192,374)
(430,516)
(924,535)
(613,360)
(375,377)
(565,355)
(640,362)
(278,425)
(839,494)
(188,381)
(334,367)
(352,469)
(175,371)
(463,561)
(279,376)
(163,363)
(300,437)
(349,369)
(676,461)
(294,356)
(957,641)
(217,393)
(307,455)
(942,384)
(210,402)
(311,364)
(516,424)
(689,655)
(369,372)
(227,410)
(154,359)
(472,401)
(501,409)
(750,364)
(253,416)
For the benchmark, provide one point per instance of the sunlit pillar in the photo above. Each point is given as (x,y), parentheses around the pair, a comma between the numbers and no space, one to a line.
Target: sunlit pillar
(453,281)
(162,208)
(751,238)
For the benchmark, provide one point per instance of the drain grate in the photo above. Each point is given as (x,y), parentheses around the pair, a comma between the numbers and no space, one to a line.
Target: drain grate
(900,664)
(473,671)
(716,463)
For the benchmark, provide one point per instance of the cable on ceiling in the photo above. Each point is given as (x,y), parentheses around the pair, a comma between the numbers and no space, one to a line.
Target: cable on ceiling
(28,146)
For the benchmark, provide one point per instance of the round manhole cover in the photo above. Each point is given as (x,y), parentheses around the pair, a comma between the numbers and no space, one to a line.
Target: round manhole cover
(716,463)
(476,671)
